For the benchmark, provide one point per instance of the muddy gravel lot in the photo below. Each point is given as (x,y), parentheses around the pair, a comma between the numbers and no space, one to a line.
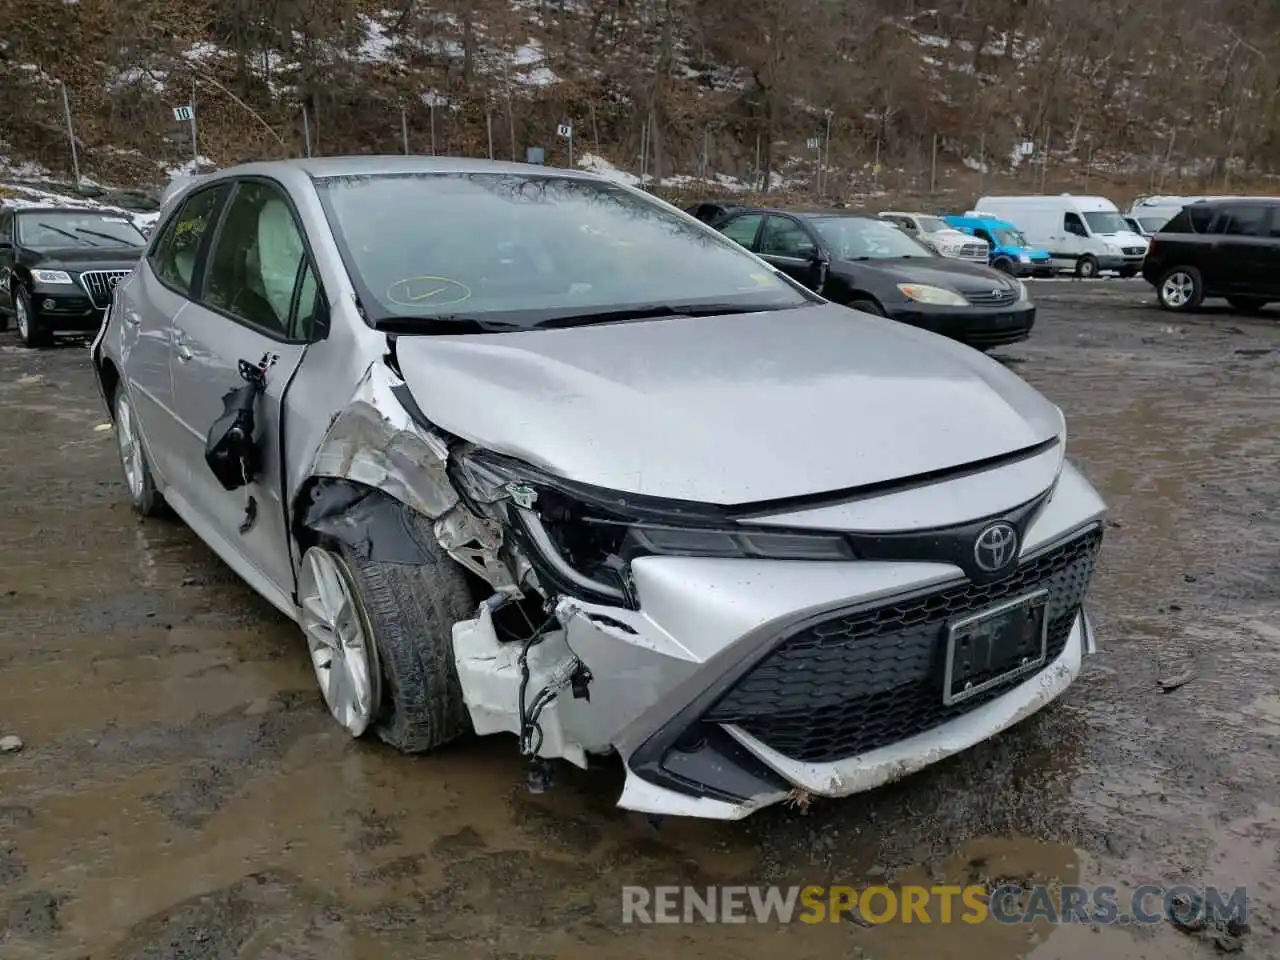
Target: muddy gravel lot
(182,793)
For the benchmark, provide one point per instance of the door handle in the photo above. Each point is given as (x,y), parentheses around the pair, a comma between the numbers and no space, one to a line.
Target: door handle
(184,353)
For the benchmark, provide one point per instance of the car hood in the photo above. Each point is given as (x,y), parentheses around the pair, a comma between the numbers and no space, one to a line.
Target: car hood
(959,275)
(80,258)
(731,409)
(957,236)
(1125,238)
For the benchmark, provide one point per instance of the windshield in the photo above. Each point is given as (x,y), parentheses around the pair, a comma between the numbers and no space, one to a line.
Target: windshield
(1104,221)
(932,224)
(1152,224)
(1009,238)
(866,238)
(50,229)
(518,250)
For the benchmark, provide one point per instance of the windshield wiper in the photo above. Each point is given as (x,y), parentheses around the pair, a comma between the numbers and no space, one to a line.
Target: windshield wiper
(66,233)
(651,312)
(454,323)
(106,236)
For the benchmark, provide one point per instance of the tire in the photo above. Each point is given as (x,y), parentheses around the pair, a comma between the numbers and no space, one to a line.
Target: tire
(1128,273)
(1087,267)
(28,321)
(1003,264)
(1247,304)
(409,611)
(138,480)
(867,306)
(1180,289)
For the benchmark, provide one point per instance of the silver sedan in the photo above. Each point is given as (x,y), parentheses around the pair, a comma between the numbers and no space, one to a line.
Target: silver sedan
(529,451)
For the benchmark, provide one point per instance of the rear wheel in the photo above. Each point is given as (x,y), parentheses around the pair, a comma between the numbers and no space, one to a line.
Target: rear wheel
(867,306)
(1087,267)
(1247,304)
(1180,289)
(381,641)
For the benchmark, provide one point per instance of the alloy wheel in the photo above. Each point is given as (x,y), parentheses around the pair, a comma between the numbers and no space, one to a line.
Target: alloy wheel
(1178,289)
(20,310)
(130,447)
(339,641)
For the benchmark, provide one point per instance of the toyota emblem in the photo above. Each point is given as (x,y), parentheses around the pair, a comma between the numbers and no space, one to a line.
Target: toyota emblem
(996,547)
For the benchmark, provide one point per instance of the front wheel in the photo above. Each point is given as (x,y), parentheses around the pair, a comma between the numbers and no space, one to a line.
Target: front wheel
(1087,268)
(1128,273)
(1003,264)
(30,331)
(144,496)
(380,636)
(1180,289)
(867,306)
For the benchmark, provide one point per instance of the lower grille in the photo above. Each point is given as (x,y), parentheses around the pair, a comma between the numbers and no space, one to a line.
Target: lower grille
(993,298)
(864,680)
(973,251)
(101,284)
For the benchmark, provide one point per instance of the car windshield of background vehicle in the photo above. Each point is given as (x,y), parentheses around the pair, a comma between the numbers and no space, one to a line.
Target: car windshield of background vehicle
(1104,221)
(932,224)
(1152,224)
(1009,238)
(51,229)
(865,238)
(523,250)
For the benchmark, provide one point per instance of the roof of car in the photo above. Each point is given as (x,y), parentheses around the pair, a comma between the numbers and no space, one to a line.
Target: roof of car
(321,167)
(1222,201)
(812,212)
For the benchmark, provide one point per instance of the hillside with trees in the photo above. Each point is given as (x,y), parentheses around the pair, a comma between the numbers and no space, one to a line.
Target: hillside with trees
(1180,91)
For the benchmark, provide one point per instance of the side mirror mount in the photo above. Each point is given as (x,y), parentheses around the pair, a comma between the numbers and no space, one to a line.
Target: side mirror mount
(816,255)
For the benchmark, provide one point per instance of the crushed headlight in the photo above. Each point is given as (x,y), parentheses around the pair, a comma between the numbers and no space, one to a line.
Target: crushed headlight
(938,296)
(582,539)
(51,276)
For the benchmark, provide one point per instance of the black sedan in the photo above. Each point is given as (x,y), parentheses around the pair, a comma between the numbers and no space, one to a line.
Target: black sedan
(866,263)
(59,267)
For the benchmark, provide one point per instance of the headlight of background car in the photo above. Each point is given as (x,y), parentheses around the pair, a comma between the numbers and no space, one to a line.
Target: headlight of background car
(582,539)
(1023,258)
(51,276)
(938,296)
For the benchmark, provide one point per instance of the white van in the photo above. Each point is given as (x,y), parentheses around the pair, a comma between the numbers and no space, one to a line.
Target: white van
(1084,234)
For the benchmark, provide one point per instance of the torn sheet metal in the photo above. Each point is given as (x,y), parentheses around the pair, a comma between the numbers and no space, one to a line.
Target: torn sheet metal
(375,442)
(475,543)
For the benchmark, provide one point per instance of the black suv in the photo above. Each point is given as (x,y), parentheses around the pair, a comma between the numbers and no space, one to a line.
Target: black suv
(1218,248)
(59,267)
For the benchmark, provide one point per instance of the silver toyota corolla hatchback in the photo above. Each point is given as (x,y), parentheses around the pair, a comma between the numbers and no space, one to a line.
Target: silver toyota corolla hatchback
(528,451)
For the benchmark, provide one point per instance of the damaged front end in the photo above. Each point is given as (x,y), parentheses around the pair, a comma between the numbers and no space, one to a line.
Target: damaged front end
(733,660)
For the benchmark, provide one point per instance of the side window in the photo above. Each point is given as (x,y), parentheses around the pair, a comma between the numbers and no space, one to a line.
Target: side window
(174,252)
(174,257)
(6,226)
(1241,221)
(256,259)
(742,229)
(307,305)
(1072,223)
(783,237)
(983,235)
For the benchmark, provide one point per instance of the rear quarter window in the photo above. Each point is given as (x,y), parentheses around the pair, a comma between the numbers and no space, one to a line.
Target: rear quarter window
(1193,219)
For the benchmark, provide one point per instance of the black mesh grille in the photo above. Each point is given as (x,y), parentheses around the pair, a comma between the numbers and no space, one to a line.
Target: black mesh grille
(993,298)
(864,680)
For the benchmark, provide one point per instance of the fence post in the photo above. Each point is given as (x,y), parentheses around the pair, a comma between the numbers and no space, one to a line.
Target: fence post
(982,165)
(306,130)
(433,124)
(1044,159)
(71,134)
(404,130)
(488,123)
(933,168)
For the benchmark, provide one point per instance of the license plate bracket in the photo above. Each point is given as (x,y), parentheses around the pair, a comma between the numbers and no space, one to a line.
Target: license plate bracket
(996,645)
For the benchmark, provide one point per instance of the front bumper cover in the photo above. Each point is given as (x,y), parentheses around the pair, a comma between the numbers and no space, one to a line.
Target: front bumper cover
(661,672)
(975,326)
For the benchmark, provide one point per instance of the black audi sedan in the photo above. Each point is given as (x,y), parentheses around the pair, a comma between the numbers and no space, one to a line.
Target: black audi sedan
(869,264)
(59,267)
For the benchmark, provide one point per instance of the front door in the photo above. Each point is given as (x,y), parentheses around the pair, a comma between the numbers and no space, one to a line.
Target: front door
(256,271)
(787,245)
(1073,240)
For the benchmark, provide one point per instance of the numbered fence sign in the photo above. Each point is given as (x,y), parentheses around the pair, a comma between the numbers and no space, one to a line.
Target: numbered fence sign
(184,113)
(815,143)
(564,130)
